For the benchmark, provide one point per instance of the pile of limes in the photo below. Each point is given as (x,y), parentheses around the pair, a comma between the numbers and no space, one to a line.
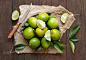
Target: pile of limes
(45,28)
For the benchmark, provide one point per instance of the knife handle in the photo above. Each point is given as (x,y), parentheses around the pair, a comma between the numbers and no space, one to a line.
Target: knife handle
(14,29)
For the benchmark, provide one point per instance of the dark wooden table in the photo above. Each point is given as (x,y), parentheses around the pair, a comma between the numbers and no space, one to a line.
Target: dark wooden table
(75,6)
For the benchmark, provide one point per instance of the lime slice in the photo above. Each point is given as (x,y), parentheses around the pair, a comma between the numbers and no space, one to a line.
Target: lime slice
(47,35)
(64,17)
(41,24)
(15,15)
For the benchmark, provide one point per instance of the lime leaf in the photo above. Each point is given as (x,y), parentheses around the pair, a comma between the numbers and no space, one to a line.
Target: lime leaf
(51,43)
(19,46)
(52,16)
(60,43)
(26,24)
(15,15)
(23,26)
(41,24)
(49,13)
(58,47)
(49,48)
(74,39)
(73,31)
(47,35)
(64,17)
(40,47)
(35,33)
(22,29)
(72,46)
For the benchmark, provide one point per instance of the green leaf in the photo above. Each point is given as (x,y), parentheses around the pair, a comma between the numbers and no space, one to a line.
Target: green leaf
(19,46)
(73,31)
(74,39)
(49,13)
(72,46)
(51,43)
(58,47)
(35,33)
(52,16)
(49,48)
(22,29)
(23,26)
(40,47)
(60,43)
(26,24)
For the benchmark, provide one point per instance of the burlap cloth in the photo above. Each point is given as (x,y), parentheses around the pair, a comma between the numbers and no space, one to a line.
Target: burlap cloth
(36,9)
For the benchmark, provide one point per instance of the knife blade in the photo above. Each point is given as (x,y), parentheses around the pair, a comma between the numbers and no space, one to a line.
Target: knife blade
(25,14)
(19,22)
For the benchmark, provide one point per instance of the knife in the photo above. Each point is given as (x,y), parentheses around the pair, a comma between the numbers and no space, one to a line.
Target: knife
(19,22)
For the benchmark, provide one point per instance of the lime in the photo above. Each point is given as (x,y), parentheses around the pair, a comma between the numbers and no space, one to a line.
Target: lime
(45,44)
(43,16)
(32,21)
(64,17)
(41,32)
(52,23)
(34,42)
(41,24)
(15,15)
(28,33)
(47,35)
(55,34)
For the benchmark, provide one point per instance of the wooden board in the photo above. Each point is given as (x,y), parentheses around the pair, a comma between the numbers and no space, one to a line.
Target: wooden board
(75,6)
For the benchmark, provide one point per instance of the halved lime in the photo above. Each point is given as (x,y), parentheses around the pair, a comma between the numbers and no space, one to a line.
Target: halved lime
(64,17)
(15,15)
(47,35)
(41,24)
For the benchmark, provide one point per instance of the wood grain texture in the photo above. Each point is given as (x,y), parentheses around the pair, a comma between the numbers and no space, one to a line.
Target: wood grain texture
(30,56)
(5,28)
(15,6)
(75,6)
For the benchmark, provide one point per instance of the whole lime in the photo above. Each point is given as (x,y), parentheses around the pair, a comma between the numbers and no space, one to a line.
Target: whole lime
(32,22)
(34,42)
(28,33)
(45,44)
(43,16)
(52,23)
(41,32)
(55,34)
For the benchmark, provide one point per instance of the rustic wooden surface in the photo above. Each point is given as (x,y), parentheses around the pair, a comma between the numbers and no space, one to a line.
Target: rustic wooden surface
(75,6)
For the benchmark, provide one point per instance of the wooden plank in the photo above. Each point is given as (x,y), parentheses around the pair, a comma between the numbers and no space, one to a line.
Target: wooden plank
(46,2)
(16,4)
(0,17)
(31,56)
(42,56)
(76,6)
(38,2)
(60,56)
(5,28)
(84,30)
(59,2)
(56,56)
